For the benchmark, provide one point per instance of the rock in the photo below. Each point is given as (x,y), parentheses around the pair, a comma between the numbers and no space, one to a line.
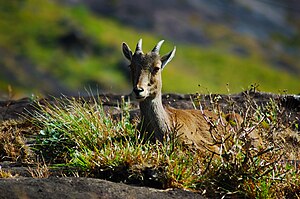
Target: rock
(82,188)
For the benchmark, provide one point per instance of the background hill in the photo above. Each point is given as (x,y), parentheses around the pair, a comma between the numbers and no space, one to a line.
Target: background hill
(66,46)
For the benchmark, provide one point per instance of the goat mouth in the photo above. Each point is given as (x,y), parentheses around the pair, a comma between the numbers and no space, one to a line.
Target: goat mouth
(140,98)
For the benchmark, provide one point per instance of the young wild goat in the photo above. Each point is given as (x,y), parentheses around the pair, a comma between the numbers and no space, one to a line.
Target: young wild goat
(192,127)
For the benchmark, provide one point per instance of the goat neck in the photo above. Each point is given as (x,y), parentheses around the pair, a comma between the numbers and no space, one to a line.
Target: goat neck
(154,117)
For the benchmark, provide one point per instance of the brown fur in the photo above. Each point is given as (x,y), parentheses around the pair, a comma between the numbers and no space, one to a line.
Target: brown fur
(202,129)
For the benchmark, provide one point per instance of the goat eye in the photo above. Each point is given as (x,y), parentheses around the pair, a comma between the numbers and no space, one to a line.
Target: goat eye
(156,69)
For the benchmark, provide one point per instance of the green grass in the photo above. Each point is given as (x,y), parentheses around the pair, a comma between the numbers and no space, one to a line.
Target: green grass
(32,30)
(79,135)
(213,69)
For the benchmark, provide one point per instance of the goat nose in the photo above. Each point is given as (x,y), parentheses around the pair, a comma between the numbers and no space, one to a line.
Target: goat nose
(137,90)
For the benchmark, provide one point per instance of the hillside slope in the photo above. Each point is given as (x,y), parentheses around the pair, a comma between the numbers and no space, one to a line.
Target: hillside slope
(53,48)
(272,25)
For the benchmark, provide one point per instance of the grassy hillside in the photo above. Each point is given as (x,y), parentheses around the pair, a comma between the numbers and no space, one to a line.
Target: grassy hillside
(50,48)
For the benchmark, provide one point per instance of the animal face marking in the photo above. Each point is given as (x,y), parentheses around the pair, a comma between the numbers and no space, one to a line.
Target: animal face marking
(146,70)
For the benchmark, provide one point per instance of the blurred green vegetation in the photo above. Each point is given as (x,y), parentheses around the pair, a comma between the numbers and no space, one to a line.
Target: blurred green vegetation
(38,32)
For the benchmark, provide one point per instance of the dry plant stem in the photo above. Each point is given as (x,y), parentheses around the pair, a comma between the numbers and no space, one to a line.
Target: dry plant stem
(209,163)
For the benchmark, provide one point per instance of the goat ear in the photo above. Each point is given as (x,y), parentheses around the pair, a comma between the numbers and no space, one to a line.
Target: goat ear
(126,51)
(167,58)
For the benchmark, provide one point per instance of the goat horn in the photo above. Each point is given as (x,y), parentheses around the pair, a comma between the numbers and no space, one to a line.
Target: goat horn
(157,47)
(139,47)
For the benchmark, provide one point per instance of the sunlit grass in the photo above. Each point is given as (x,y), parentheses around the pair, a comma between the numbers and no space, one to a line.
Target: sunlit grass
(79,134)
